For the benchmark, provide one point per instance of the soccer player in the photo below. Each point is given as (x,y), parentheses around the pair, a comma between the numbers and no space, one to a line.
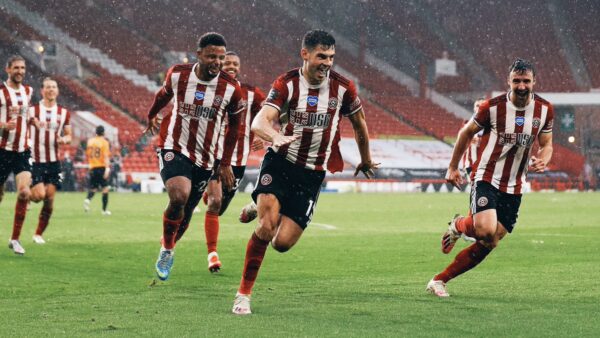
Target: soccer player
(98,155)
(309,102)
(204,98)
(216,196)
(511,123)
(15,156)
(51,128)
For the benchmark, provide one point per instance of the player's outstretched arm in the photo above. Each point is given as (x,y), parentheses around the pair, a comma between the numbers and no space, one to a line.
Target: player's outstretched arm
(361,134)
(465,135)
(544,154)
(262,127)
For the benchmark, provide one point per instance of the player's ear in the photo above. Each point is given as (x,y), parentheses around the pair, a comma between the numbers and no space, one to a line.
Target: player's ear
(304,54)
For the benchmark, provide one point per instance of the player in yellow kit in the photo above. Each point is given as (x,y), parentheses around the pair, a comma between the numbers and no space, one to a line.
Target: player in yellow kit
(98,155)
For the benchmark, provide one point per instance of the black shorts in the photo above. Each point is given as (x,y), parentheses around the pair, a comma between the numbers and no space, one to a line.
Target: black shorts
(296,188)
(485,196)
(15,162)
(47,173)
(97,180)
(173,164)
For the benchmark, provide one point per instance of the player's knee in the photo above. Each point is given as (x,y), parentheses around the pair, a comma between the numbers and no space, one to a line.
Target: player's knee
(36,197)
(214,204)
(24,193)
(281,246)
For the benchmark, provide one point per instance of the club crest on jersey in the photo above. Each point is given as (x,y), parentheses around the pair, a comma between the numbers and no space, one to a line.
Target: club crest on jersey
(482,201)
(312,100)
(520,121)
(333,102)
(218,100)
(199,95)
(169,156)
(536,122)
(266,179)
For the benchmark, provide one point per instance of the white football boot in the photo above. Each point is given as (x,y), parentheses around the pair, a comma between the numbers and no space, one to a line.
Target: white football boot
(241,304)
(438,288)
(16,247)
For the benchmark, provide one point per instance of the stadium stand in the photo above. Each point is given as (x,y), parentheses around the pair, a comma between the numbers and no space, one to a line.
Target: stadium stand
(270,48)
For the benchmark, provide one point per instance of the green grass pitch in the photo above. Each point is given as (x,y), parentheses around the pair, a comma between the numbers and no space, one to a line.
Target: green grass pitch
(359,270)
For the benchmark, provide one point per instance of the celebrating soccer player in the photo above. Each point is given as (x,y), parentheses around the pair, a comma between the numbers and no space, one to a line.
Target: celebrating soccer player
(98,155)
(204,98)
(309,103)
(15,156)
(51,127)
(216,196)
(511,124)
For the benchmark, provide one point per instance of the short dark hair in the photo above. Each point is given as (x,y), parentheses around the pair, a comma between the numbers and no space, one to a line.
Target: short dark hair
(317,37)
(211,38)
(100,130)
(522,66)
(230,52)
(48,78)
(14,58)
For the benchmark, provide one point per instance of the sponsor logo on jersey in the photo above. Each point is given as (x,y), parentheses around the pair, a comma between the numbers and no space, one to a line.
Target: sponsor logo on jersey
(333,102)
(482,201)
(169,156)
(312,100)
(310,120)
(199,95)
(520,121)
(518,139)
(266,179)
(536,122)
(196,111)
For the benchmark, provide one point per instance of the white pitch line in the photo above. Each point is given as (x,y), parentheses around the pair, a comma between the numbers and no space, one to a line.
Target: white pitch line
(324,226)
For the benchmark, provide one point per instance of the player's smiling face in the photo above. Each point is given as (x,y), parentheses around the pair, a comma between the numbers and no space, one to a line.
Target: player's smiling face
(317,63)
(16,71)
(521,84)
(210,59)
(50,90)
(231,65)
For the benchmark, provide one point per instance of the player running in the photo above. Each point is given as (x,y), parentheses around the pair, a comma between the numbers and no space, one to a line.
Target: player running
(51,128)
(15,156)
(98,155)
(204,97)
(511,124)
(309,103)
(216,196)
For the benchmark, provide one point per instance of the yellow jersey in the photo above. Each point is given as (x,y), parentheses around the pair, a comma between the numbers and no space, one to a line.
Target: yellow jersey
(98,152)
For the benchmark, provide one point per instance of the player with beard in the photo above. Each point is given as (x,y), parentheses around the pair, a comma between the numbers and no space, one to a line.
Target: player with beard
(15,157)
(216,196)
(204,98)
(51,128)
(309,103)
(511,123)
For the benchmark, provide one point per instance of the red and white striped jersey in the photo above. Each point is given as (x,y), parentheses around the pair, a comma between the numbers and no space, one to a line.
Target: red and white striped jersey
(14,104)
(44,140)
(508,135)
(470,156)
(255,99)
(192,128)
(314,113)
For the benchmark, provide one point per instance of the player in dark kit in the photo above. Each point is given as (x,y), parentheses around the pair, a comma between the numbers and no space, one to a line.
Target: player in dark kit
(511,123)
(204,98)
(309,103)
